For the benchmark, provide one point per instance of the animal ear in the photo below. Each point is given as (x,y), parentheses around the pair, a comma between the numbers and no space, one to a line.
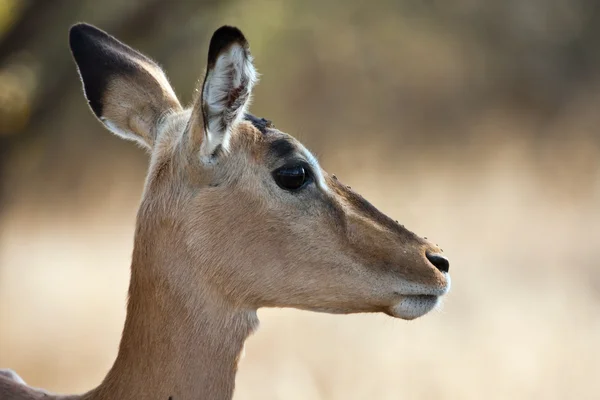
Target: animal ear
(126,90)
(226,91)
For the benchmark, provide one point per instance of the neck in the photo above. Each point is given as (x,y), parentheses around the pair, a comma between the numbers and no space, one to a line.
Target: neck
(176,345)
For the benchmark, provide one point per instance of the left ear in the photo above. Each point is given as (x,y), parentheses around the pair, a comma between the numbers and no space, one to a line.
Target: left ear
(127,91)
(226,91)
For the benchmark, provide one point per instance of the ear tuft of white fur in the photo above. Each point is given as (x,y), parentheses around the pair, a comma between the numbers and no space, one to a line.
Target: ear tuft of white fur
(226,95)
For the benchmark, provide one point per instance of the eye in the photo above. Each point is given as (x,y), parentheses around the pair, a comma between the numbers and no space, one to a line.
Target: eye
(291,178)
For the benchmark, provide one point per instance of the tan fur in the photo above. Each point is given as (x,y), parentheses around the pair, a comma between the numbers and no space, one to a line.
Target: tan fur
(215,242)
(137,105)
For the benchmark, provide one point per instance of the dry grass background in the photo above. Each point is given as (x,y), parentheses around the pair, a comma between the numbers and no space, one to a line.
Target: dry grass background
(521,321)
(432,133)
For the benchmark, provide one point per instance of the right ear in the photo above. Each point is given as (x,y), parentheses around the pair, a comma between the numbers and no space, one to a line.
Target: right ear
(226,91)
(126,90)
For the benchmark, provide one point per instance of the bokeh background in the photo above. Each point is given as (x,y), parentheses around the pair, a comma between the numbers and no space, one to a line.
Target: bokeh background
(475,123)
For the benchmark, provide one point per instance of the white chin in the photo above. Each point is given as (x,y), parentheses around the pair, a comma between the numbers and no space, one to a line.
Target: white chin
(411,307)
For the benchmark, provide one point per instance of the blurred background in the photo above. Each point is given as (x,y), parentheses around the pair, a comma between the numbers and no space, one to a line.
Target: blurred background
(474,123)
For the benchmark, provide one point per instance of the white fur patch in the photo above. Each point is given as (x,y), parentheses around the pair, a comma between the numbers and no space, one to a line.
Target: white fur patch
(318,175)
(226,95)
(411,307)
(10,374)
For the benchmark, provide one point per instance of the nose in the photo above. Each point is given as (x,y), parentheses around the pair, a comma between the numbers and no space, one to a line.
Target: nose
(438,261)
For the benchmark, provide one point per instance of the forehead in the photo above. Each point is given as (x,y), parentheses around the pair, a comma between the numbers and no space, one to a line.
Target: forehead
(270,144)
(275,148)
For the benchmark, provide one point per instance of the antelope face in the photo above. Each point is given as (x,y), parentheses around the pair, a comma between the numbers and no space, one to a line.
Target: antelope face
(300,238)
(249,209)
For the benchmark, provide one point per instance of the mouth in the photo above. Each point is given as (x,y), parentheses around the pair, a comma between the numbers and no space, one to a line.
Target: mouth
(414,305)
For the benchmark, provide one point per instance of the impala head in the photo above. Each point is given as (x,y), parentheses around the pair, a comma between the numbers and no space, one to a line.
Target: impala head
(238,208)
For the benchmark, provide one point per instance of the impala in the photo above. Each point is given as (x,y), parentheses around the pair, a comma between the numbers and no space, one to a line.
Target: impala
(235,215)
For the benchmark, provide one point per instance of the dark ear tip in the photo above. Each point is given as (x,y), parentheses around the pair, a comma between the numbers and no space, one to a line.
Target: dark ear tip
(230,34)
(81,33)
(78,30)
(76,36)
(224,37)
(85,42)
(78,27)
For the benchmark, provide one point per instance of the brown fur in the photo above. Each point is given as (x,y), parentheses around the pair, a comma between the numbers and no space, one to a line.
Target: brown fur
(215,242)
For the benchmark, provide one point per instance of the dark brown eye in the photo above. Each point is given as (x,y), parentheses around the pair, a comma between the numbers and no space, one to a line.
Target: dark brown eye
(291,178)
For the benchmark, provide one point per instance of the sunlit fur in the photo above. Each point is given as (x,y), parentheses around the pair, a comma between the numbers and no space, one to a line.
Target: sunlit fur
(10,374)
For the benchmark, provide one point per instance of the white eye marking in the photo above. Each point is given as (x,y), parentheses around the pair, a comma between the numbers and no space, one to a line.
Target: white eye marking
(316,169)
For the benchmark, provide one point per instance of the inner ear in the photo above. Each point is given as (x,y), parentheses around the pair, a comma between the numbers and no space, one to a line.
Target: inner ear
(226,90)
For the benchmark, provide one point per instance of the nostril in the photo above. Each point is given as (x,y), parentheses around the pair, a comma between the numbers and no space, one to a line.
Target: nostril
(440,262)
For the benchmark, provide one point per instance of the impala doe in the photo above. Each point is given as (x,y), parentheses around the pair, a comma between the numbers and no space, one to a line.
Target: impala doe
(235,215)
